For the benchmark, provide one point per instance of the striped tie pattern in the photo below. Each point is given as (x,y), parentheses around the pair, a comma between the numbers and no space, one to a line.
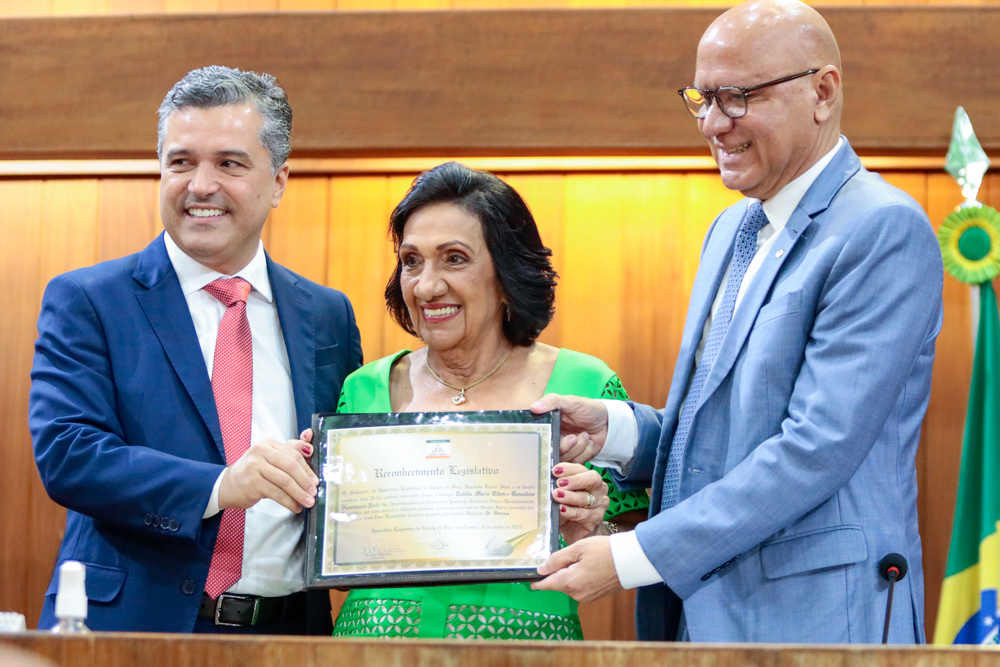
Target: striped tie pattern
(232,384)
(746,248)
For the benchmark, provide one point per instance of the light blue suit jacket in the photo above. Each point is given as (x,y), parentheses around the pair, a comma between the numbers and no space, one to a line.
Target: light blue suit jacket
(799,474)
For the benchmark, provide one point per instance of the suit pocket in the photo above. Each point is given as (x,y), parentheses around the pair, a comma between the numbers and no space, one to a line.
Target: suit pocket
(103,583)
(326,356)
(816,550)
(789,304)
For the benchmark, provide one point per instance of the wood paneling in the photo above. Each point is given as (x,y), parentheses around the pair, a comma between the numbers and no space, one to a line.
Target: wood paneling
(98,7)
(360,253)
(483,82)
(300,226)
(19,298)
(128,217)
(104,649)
(626,246)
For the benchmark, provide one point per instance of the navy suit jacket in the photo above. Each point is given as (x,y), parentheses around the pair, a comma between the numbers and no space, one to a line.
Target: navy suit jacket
(798,475)
(126,432)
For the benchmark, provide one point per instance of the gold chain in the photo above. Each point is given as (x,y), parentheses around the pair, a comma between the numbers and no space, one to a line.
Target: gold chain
(458,400)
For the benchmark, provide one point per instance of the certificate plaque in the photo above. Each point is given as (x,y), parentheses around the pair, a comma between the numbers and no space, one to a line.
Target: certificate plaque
(432,498)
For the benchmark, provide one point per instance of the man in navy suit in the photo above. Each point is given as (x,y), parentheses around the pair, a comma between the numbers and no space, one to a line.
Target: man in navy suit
(127,422)
(782,467)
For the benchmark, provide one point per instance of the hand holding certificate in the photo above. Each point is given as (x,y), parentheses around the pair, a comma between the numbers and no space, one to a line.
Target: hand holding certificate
(433,498)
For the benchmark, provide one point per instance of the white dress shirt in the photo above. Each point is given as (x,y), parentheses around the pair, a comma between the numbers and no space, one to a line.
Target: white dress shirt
(631,564)
(273,552)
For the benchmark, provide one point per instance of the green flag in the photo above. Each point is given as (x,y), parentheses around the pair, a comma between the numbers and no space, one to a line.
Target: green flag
(968,610)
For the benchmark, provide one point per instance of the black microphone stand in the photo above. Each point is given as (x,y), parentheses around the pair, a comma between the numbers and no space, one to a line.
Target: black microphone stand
(893,569)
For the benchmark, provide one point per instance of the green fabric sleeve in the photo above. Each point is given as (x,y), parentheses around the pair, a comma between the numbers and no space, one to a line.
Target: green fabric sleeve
(621,501)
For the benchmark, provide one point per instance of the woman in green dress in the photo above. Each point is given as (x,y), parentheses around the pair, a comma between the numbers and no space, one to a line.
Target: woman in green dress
(474,282)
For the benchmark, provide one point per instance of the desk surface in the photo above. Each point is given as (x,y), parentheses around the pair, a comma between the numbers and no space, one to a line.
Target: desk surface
(174,650)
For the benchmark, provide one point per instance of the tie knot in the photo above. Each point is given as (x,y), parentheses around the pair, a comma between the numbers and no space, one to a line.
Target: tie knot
(229,290)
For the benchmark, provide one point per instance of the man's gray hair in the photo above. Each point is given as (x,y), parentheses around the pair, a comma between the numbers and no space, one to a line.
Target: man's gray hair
(217,86)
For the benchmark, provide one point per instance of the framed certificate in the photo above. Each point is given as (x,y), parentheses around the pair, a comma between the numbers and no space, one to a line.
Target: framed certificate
(432,498)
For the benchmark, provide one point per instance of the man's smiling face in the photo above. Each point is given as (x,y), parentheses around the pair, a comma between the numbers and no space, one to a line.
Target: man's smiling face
(216,185)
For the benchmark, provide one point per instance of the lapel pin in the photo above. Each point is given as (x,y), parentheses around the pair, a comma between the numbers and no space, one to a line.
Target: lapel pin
(778,254)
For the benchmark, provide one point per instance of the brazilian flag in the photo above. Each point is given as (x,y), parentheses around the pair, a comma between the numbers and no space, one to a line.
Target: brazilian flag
(968,610)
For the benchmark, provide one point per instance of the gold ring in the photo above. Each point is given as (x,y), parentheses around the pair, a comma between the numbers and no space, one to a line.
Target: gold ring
(590,499)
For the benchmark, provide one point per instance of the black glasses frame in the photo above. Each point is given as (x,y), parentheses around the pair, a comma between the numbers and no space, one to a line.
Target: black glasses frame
(710,94)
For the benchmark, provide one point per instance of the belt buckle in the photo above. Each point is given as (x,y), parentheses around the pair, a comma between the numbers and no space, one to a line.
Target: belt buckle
(235,596)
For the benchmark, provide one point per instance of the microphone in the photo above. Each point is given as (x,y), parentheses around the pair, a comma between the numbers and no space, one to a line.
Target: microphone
(893,569)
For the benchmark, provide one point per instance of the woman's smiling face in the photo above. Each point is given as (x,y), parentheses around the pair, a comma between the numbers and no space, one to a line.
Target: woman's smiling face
(447,278)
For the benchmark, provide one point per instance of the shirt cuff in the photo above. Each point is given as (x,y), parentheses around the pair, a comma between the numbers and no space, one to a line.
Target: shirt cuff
(623,437)
(631,564)
(213,500)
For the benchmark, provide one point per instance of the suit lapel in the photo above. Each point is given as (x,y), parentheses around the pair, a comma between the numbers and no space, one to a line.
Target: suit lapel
(297,327)
(816,200)
(168,314)
(753,298)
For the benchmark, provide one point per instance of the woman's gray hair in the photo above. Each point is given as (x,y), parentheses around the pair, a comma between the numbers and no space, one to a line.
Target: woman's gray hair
(217,86)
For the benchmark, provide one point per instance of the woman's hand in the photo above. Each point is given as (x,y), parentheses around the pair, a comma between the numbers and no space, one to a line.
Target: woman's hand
(583,499)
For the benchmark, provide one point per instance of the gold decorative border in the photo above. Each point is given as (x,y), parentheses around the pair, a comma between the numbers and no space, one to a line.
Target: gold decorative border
(330,569)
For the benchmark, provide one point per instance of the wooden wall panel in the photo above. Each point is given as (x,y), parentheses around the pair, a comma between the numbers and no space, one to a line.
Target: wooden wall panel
(128,218)
(70,224)
(360,253)
(99,7)
(655,213)
(626,247)
(20,293)
(134,6)
(592,281)
(590,81)
(300,227)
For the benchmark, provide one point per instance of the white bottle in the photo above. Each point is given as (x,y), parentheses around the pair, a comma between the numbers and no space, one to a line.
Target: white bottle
(71,599)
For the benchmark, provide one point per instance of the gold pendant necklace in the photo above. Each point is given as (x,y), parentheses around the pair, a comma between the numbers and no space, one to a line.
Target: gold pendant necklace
(458,400)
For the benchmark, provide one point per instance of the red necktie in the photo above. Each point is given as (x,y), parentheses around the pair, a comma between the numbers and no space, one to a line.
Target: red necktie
(232,384)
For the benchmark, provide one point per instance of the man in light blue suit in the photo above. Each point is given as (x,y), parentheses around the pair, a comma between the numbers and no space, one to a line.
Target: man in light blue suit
(782,467)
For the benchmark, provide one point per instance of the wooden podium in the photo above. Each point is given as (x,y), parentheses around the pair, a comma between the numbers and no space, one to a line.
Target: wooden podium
(174,650)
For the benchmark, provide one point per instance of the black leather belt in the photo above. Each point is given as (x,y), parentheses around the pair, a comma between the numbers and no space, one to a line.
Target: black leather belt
(245,610)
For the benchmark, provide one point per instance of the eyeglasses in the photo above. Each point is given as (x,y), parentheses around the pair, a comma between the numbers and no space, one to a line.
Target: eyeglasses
(732,100)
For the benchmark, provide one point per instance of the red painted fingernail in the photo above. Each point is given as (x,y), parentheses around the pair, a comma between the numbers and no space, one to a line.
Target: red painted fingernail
(562,508)
(560,494)
(307,450)
(563,482)
(557,470)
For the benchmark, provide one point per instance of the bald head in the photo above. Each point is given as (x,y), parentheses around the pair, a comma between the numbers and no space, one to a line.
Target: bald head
(777,29)
(786,54)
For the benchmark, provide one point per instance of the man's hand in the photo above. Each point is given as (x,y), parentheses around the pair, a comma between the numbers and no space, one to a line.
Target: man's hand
(584,425)
(585,571)
(271,469)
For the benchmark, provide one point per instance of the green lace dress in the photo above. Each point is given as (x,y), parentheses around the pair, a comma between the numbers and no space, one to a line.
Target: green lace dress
(478,611)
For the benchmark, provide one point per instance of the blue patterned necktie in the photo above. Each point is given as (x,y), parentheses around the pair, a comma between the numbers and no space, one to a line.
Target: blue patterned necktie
(746,248)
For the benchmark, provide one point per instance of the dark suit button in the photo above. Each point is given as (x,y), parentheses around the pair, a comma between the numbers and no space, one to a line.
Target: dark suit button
(174,525)
(188,587)
(707,576)
(156,521)
(148,519)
